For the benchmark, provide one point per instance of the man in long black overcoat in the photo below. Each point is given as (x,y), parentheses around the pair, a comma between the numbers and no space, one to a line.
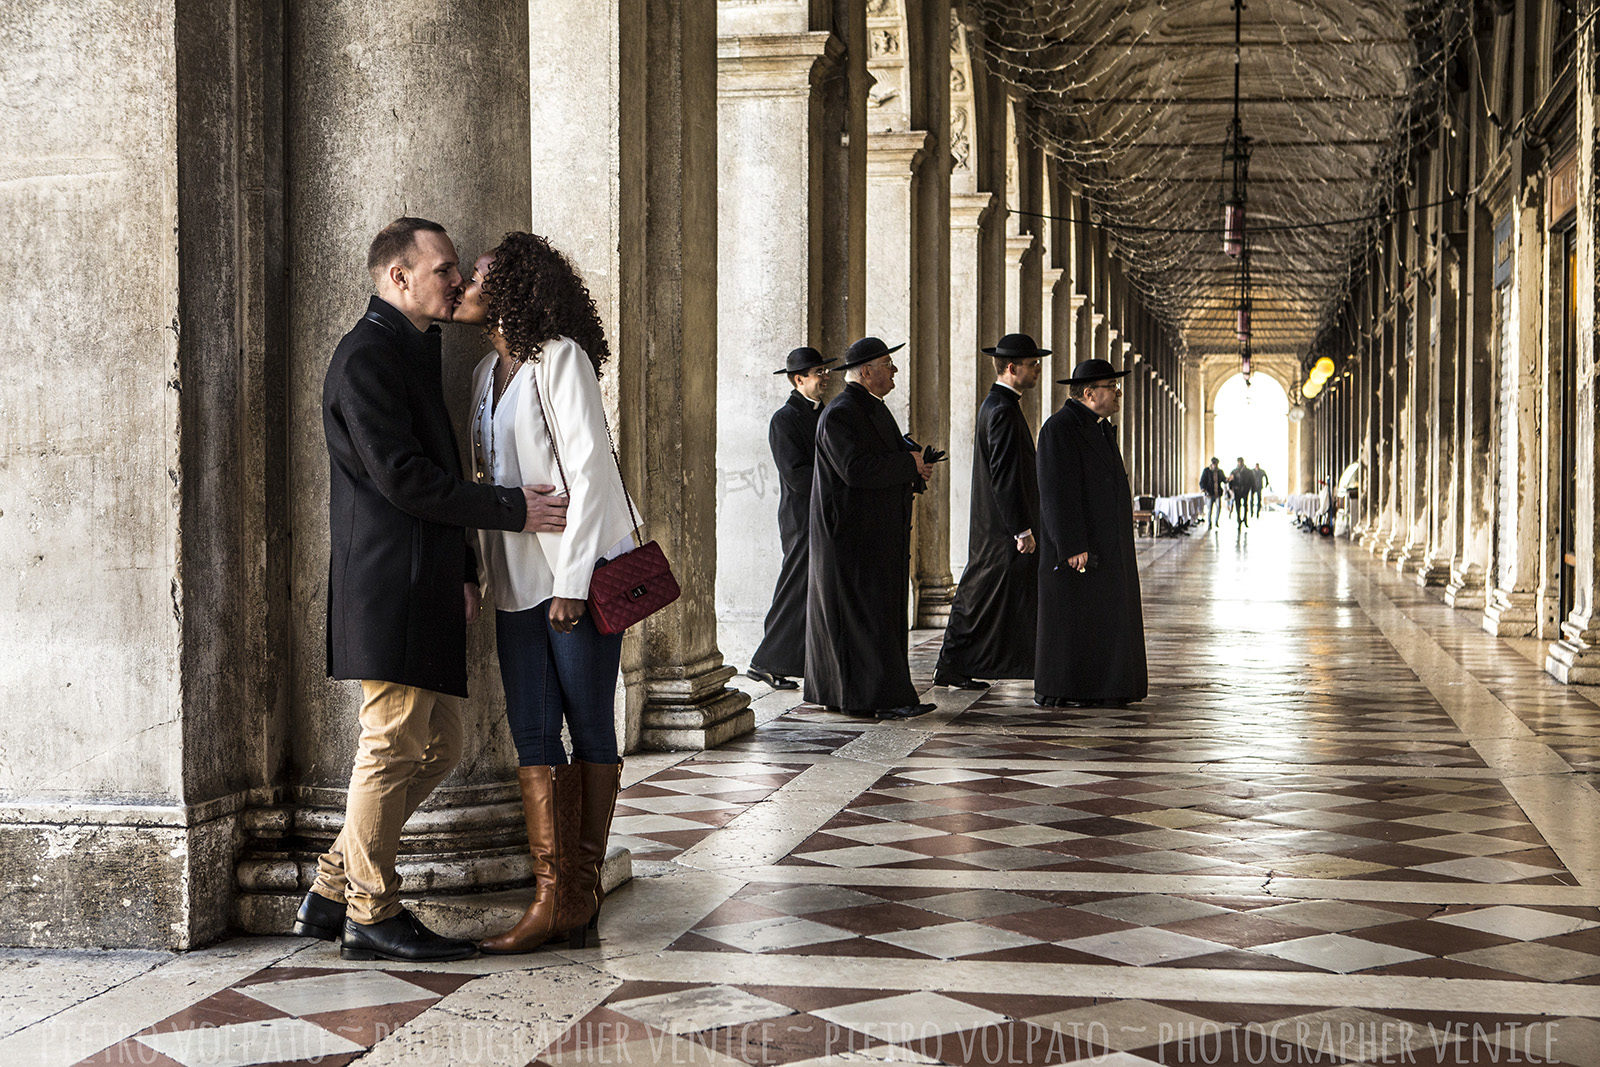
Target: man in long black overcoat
(995,615)
(792,435)
(402,583)
(861,546)
(1091,626)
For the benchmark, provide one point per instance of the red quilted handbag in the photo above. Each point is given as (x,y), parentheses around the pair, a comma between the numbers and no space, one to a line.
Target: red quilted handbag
(634,585)
(631,587)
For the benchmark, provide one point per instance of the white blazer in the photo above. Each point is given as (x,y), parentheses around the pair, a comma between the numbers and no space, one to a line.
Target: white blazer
(523,570)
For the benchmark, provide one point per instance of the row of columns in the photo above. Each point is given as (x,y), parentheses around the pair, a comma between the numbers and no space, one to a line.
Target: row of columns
(1466,351)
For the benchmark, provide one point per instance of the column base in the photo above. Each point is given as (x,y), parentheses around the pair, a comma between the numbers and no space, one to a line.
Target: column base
(1511,614)
(1465,591)
(1409,559)
(95,875)
(934,600)
(472,916)
(472,840)
(1574,661)
(1434,573)
(694,709)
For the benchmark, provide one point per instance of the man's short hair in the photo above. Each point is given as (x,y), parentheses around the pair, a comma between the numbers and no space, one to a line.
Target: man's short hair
(1077,389)
(1002,362)
(1214,459)
(395,242)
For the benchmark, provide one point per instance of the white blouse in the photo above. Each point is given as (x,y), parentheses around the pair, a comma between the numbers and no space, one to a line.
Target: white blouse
(512,447)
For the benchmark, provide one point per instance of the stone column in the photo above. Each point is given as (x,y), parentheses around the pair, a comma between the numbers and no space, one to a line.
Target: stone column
(141,527)
(1475,402)
(1194,431)
(1576,656)
(624,177)
(1414,478)
(1055,333)
(1022,301)
(1435,570)
(892,162)
(1512,603)
(395,146)
(967,214)
(775,286)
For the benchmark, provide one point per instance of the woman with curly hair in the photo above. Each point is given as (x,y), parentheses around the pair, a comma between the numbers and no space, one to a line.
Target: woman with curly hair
(537,419)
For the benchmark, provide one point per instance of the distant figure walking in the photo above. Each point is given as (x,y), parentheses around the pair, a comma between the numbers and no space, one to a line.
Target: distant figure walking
(1259,486)
(1241,483)
(1211,482)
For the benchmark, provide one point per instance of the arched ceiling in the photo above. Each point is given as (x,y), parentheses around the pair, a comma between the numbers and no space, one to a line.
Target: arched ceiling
(1136,98)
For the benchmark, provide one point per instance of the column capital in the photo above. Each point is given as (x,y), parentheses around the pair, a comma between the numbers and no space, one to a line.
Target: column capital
(897,155)
(776,64)
(1078,300)
(1050,278)
(1019,245)
(968,210)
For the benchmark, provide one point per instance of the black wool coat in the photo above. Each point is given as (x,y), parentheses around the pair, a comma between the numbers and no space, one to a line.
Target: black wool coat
(1091,625)
(994,618)
(856,605)
(397,508)
(793,438)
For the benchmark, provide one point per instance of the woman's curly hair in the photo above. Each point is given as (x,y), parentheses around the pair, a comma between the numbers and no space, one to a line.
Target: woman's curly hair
(534,295)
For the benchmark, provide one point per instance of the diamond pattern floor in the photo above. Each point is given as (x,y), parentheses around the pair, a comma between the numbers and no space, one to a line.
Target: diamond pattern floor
(1328,837)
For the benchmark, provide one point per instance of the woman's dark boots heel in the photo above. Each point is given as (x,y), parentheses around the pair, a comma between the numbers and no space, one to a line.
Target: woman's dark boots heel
(582,892)
(550,802)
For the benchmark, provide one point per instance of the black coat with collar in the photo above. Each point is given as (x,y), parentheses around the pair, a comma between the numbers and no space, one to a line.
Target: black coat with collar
(397,509)
(993,620)
(856,608)
(793,438)
(1091,625)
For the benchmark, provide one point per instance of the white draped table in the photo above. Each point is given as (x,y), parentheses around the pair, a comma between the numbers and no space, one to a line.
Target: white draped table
(1177,510)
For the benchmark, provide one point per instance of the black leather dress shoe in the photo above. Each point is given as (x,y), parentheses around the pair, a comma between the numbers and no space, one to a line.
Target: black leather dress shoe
(911,711)
(777,681)
(958,681)
(1058,702)
(401,938)
(319,917)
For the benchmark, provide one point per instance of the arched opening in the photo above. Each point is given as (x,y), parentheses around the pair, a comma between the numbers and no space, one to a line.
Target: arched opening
(1253,422)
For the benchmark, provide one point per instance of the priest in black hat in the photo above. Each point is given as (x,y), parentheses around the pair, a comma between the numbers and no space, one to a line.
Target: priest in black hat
(792,436)
(861,546)
(993,620)
(1091,627)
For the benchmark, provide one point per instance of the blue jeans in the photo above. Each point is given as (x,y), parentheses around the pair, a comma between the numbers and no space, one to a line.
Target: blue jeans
(549,677)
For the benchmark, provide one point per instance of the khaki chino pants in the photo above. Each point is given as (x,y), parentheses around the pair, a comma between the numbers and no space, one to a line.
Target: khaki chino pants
(410,740)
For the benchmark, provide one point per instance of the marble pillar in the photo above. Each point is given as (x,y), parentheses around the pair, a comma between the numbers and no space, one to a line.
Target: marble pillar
(1443,340)
(1512,608)
(1475,403)
(1414,503)
(398,148)
(775,286)
(1022,301)
(1575,657)
(624,114)
(892,162)
(967,341)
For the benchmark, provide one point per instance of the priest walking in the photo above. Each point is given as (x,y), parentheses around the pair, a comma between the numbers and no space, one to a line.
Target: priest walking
(792,436)
(861,546)
(994,617)
(1091,626)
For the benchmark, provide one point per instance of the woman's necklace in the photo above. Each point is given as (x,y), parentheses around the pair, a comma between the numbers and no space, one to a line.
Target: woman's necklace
(494,391)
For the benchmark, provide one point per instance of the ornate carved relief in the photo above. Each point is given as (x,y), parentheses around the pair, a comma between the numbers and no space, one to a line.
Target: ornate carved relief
(885,43)
(881,9)
(958,81)
(960,143)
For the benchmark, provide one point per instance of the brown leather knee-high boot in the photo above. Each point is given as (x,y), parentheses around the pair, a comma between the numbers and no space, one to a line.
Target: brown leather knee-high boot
(550,809)
(582,892)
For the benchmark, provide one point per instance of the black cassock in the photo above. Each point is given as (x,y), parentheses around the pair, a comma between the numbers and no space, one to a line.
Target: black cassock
(1091,625)
(860,558)
(793,437)
(993,621)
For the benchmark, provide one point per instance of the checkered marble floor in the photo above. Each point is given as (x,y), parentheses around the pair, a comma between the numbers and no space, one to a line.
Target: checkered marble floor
(1347,827)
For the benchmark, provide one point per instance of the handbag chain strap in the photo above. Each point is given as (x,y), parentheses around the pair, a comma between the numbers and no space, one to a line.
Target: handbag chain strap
(554,448)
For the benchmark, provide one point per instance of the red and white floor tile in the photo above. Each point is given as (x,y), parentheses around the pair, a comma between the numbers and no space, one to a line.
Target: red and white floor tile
(1347,827)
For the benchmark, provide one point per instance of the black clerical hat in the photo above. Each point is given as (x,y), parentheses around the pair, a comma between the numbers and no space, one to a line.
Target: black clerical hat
(802,360)
(866,350)
(1091,370)
(1016,346)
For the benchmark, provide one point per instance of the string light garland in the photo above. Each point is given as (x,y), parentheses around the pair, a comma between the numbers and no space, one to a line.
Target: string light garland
(1129,98)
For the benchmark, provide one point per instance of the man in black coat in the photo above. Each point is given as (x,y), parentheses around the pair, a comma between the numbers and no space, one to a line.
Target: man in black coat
(402,583)
(1091,625)
(1258,485)
(1212,481)
(1241,483)
(861,547)
(995,614)
(792,436)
